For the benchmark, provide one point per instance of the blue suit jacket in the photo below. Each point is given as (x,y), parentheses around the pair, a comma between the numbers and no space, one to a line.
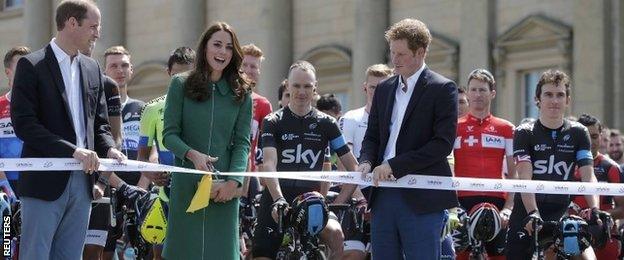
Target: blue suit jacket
(425,140)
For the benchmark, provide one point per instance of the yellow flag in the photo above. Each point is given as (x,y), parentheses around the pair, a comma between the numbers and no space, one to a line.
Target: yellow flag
(202,194)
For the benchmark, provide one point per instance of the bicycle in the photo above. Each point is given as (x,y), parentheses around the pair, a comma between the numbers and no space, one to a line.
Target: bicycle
(299,242)
(570,236)
(248,217)
(130,222)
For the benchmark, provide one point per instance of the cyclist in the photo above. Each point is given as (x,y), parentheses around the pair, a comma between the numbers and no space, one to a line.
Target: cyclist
(10,145)
(482,144)
(294,139)
(606,170)
(353,126)
(548,149)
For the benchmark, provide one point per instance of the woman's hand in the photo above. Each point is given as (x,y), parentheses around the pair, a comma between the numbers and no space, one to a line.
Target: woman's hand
(201,161)
(225,192)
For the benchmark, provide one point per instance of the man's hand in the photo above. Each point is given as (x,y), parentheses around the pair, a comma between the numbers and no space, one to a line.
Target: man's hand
(382,172)
(534,217)
(274,207)
(591,215)
(6,187)
(505,213)
(98,191)
(116,154)
(364,168)
(159,178)
(131,192)
(225,192)
(90,160)
(201,161)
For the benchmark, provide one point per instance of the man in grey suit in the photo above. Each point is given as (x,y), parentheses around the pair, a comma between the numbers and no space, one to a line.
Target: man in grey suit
(59,111)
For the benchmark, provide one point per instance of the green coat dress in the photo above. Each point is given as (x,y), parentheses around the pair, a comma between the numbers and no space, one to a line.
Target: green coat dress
(218,127)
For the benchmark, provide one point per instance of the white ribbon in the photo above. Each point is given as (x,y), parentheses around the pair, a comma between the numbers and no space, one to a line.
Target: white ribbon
(410,181)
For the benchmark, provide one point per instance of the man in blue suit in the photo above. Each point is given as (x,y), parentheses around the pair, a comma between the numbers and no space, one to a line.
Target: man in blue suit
(59,111)
(418,107)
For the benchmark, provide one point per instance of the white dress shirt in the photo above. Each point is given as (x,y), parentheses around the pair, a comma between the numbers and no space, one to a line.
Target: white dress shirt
(401,100)
(71,79)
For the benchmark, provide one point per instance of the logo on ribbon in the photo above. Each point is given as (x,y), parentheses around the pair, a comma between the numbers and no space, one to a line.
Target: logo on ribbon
(581,188)
(539,187)
(47,164)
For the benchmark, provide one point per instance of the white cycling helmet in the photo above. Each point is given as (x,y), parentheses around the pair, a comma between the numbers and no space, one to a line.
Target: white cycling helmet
(484,222)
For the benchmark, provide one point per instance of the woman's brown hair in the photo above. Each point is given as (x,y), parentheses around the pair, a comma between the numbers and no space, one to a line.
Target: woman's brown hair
(197,87)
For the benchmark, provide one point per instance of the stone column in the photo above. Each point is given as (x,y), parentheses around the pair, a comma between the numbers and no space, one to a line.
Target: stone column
(275,38)
(618,106)
(369,45)
(113,30)
(38,15)
(592,82)
(189,22)
(475,37)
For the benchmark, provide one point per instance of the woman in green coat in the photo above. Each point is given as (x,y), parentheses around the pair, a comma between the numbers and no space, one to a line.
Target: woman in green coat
(207,125)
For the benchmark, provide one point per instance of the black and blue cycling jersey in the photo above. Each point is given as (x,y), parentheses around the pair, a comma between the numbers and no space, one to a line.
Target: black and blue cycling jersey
(554,155)
(301,141)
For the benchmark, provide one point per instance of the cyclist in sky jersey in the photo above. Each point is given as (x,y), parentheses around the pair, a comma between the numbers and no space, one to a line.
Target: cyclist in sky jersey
(548,149)
(294,139)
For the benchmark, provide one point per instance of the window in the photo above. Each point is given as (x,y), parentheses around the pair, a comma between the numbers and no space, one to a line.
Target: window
(12,4)
(529,84)
(521,54)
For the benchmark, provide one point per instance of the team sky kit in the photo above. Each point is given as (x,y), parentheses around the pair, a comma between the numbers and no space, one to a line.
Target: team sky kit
(300,142)
(554,154)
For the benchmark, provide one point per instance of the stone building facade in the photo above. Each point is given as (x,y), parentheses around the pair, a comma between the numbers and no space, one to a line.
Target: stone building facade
(516,39)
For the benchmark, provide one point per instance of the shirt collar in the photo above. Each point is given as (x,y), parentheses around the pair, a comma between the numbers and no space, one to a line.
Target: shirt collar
(411,81)
(60,54)
(476,119)
(223,86)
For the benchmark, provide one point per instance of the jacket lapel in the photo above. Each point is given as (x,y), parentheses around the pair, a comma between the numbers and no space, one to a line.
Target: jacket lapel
(84,87)
(419,89)
(57,76)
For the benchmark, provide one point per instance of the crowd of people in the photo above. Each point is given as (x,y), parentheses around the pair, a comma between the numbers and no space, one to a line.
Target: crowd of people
(62,104)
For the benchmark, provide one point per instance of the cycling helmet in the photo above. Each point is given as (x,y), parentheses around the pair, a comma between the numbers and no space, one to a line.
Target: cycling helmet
(152,213)
(572,236)
(484,222)
(309,213)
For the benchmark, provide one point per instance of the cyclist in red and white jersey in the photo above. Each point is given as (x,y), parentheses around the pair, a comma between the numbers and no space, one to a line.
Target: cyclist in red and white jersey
(483,142)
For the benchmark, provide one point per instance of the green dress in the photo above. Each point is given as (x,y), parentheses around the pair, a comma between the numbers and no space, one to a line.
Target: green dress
(219,127)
